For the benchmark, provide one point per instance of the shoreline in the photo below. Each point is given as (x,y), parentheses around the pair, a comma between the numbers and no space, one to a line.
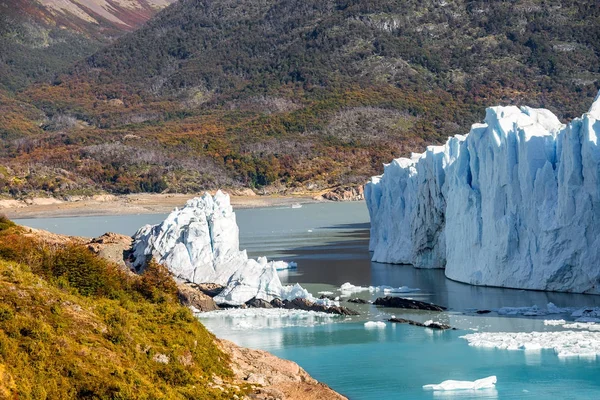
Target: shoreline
(139,203)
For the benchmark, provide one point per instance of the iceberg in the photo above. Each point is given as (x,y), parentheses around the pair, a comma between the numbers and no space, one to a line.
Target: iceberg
(200,243)
(484,383)
(515,203)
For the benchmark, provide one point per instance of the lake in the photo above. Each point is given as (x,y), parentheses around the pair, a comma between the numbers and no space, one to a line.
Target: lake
(329,241)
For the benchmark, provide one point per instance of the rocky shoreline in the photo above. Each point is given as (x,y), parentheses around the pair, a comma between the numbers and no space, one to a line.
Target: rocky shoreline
(154,203)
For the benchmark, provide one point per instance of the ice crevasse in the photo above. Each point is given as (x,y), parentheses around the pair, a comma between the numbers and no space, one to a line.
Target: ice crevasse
(514,203)
(200,243)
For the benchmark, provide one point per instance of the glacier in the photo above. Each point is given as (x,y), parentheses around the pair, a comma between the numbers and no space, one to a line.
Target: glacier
(199,243)
(514,203)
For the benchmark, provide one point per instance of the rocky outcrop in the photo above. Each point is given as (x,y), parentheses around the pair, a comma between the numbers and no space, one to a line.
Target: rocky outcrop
(358,301)
(428,324)
(400,302)
(274,378)
(190,296)
(344,193)
(300,304)
(209,289)
(112,247)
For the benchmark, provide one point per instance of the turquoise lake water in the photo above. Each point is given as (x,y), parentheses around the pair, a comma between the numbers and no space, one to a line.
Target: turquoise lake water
(330,244)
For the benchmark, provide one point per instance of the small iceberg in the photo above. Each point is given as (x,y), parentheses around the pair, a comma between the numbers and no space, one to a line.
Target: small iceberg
(485,383)
(374,325)
(296,205)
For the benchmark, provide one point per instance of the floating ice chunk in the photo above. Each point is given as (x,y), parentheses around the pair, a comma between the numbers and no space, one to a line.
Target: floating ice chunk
(348,288)
(587,312)
(590,326)
(533,310)
(564,343)
(374,325)
(267,318)
(485,383)
(325,293)
(555,322)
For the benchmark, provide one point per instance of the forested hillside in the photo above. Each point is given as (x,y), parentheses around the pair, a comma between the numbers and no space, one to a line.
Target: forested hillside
(293,94)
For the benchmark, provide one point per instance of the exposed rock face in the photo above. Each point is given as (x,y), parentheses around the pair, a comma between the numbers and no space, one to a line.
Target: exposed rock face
(190,296)
(429,324)
(399,302)
(112,247)
(345,193)
(209,289)
(358,301)
(515,203)
(280,379)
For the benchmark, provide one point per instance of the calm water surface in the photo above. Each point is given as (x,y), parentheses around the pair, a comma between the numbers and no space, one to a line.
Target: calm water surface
(330,244)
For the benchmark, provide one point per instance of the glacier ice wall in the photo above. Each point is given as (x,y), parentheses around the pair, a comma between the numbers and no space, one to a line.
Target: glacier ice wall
(200,243)
(515,203)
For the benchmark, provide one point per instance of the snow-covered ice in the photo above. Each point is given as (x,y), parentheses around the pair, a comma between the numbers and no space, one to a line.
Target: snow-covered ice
(564,343)
(484,383)
(515,203)
(374,325)
(348,289)
(200,243)
(555,322)
(268,318)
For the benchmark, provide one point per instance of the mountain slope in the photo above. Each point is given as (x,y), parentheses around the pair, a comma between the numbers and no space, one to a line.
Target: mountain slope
(303,93)
(39,38)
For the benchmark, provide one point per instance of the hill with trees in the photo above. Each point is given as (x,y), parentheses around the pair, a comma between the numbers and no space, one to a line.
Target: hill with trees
(298,95)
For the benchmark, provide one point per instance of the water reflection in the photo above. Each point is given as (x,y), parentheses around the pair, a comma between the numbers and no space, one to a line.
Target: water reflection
(467,394)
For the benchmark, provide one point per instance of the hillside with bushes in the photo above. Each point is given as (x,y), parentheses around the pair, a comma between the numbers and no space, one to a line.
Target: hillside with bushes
(295,95)
(73,325)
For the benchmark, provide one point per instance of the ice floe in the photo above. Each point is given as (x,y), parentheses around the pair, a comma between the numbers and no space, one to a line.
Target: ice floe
(564,343)
(555,322)
(484,383)
(348,289)
(268,318)
(580,314)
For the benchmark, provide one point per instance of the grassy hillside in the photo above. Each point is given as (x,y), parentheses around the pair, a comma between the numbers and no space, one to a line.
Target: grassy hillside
(74,326)
(297,94)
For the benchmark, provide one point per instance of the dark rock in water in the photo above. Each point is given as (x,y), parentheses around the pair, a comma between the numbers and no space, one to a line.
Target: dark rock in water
(190,296)
(483,311)
(306,305)
(324,296)
(358,301)
(400,302)
(433,325)
(258,303)
(210,289)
